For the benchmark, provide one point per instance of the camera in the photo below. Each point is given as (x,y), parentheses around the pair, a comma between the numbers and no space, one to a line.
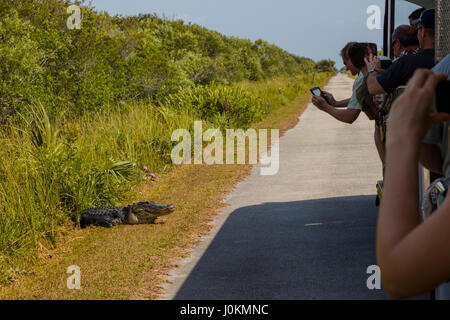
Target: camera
(443,97)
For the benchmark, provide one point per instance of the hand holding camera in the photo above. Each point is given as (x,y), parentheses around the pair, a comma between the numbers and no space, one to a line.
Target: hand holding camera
(410,117)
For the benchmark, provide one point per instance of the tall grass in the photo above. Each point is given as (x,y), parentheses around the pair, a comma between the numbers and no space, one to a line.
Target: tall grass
(223,106)
(51,169)
(278,91)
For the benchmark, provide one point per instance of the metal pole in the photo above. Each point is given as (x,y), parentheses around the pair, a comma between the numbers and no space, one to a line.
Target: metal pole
(391,28)
(424,181)
(389,24)
(385,29)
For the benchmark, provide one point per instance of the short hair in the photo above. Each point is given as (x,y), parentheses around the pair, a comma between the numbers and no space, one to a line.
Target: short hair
(357,52)
(416,14)
(373,47)
(407,36)
(344,51)
(430,32)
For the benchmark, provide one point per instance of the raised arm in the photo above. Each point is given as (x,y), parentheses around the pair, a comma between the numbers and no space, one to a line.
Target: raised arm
(343,115)
(342,103)
(373,85)
(373,62)
(334,103)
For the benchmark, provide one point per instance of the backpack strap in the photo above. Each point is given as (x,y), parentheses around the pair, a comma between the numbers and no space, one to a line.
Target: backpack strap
(365,99)
(386,108)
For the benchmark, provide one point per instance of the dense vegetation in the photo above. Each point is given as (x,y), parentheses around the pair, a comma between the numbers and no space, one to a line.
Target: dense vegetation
(86,114)
(113,60)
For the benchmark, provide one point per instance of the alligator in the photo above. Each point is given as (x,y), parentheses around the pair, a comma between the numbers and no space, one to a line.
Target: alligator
(139,213)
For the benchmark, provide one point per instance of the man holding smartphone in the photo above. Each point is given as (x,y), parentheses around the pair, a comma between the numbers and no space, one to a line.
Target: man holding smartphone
(336,108)
(352,52)
(356,53)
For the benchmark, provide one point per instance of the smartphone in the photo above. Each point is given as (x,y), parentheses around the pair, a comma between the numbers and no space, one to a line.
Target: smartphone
(443,97)
(318,92)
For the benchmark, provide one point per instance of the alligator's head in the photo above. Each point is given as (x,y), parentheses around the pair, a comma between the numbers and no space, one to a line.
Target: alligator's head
(146,212)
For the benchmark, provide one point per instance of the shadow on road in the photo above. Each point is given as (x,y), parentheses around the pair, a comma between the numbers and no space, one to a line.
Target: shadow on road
(315,249)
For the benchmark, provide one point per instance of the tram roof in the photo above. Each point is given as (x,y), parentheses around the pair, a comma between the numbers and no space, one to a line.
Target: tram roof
(424,3)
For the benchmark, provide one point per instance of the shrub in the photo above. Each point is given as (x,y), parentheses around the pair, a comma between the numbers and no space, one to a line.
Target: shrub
(90,108)
(112,61)
(240,108)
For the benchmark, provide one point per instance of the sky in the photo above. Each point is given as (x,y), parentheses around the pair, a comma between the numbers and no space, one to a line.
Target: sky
(315,29)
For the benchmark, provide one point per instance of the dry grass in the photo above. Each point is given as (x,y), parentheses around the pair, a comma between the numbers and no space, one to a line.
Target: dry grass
(131,262)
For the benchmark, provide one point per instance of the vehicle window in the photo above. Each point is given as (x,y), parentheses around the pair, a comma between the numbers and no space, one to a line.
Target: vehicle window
(402,11)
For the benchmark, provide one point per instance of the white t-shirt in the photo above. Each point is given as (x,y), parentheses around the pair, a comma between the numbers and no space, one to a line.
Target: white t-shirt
(443,66)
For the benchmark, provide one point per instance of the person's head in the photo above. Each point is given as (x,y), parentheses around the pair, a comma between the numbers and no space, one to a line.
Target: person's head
(425,29)
(357,52)
(373,48)
(414,17)
(346,59)
(404,38)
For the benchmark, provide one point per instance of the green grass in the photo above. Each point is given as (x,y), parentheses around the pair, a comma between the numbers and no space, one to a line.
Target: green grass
(51,169)
(130,262)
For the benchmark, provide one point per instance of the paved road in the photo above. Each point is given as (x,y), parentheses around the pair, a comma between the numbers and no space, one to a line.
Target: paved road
(307,232)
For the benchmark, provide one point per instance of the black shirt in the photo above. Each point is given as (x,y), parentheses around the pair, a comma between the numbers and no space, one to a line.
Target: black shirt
(403,69)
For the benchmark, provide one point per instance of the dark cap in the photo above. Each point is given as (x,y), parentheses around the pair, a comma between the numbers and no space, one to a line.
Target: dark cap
(427,19)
